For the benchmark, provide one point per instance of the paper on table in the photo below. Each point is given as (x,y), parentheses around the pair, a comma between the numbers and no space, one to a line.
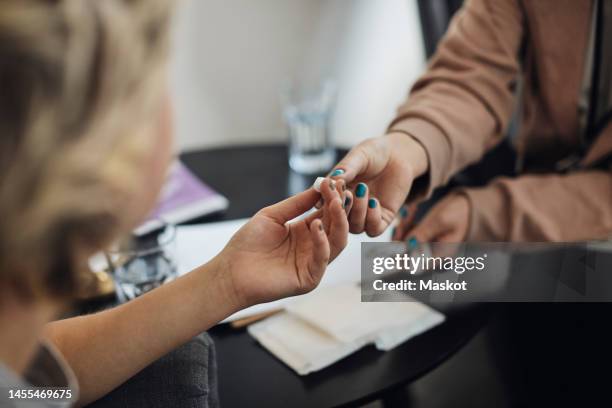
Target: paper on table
(338,310)
(299,345)
(319,330)
(197,244)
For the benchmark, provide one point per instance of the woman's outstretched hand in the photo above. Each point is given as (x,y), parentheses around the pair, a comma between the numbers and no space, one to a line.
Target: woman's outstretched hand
(269,258)
(380,172)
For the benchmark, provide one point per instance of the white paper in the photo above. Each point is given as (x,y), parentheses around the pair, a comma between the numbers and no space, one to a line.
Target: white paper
(338,310)
(299,345)
(318,330)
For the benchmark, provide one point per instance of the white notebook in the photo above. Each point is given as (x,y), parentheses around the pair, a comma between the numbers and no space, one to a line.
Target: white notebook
(323,328)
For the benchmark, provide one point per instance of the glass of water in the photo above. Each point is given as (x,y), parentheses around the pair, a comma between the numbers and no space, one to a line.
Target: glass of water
(142,264)
(308,112)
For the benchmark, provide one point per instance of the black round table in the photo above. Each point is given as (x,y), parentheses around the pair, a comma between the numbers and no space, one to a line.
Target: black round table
(251,178)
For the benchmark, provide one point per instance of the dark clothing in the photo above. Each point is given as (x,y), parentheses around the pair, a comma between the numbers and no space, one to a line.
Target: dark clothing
(184,378)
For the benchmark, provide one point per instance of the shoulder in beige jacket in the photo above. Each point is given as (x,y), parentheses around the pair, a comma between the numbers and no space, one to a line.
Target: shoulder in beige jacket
(460,108)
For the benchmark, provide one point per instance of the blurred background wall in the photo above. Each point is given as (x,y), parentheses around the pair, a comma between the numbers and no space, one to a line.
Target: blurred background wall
(231,58)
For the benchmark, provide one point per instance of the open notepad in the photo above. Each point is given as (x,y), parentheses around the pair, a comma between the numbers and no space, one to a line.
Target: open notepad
(318,330)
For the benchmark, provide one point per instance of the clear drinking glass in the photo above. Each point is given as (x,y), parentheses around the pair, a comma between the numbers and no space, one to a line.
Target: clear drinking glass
(142,264)
(308,112)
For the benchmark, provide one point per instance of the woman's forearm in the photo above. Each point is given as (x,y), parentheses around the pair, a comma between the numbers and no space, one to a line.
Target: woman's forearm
(543,207)
(107,348)
(267,259)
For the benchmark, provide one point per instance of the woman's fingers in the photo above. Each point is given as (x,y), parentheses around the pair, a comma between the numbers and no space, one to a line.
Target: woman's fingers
(428,230)
(345,195)
(291,207)
(364,213)
(342,190)
(334,217)
(318,214)
(327,243)
(348,202)
(338,227)
(353,164)
(329,194)
(357,216)
(374,225)
(340,185)
(448,221)
(333,214)
(320,254)
(407,215)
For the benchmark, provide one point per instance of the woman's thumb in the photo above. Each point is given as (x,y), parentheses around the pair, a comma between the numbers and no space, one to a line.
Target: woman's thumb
(351,166)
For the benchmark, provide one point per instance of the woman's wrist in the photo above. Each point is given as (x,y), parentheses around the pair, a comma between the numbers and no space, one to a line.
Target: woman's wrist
(218,280)
(410,150)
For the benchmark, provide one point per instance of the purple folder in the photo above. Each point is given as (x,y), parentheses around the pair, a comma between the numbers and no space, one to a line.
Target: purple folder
(183,197)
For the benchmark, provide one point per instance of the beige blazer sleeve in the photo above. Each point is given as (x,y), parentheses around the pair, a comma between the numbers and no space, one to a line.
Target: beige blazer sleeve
(461,106)
(572,207)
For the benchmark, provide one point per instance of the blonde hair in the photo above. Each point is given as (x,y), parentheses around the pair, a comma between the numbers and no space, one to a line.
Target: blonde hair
(79,79)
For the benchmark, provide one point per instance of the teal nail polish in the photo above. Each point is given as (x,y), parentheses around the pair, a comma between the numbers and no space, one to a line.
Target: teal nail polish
(412,243)
(360,190)
(347,202)
(393,231)
(372,203)
(337,172)
(403,212)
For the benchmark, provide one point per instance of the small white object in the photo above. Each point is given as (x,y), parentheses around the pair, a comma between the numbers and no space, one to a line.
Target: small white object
(320,180)
(317,183)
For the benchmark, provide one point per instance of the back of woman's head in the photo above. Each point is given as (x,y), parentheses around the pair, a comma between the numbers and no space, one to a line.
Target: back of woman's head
(79,81)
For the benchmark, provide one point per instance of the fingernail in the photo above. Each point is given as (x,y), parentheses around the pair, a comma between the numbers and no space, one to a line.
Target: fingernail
(372,203)
(347,202)
(320,227)
(360,190)
(412,243)
(337,172)
(319,203)
(332,184)
(344,187)
(393,231)
(403,212)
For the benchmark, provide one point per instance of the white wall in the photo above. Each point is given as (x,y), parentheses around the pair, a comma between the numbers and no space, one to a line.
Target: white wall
(231,58)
